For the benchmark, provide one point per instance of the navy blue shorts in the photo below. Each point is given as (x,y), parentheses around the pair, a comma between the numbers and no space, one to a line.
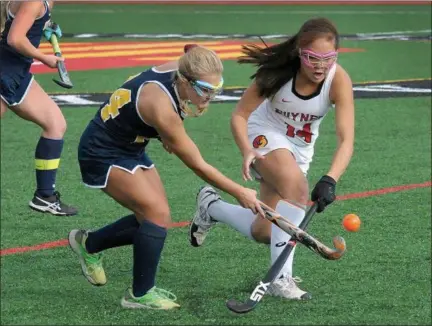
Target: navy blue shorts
(98,152)
(15,79)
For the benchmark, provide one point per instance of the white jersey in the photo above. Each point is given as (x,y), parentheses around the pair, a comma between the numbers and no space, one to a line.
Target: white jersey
(290,120)
(299,116)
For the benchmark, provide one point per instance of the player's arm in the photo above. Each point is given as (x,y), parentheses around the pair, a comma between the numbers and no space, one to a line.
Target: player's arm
(342,95)
(24,19)
(156,109)
(248,103)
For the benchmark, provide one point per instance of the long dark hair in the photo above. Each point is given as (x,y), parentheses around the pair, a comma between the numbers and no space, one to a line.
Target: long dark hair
(279,63)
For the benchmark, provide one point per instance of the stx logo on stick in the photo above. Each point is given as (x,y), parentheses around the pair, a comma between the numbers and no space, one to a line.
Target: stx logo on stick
(259,291)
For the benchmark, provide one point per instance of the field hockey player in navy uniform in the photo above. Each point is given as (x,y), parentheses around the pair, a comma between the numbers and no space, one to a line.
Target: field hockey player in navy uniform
(112,156)
(25,22)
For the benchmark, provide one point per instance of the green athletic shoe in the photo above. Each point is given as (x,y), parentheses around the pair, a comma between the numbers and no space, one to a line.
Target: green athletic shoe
(91,264)
(155,298)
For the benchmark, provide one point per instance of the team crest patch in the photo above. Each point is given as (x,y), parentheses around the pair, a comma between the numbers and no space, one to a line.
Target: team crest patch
(260,141)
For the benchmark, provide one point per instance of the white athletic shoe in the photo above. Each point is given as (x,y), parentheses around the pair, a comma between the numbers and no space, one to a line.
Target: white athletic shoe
(202,222)
(286,287)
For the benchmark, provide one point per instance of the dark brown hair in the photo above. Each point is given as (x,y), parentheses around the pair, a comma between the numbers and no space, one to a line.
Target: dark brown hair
(279,63)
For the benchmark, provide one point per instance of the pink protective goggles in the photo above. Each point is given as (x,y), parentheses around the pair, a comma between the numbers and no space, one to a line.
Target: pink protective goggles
(316,60)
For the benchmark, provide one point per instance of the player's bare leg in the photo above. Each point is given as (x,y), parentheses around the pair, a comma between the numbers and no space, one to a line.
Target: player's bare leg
(3,108)
(39,108)
(278,184)
(211,209)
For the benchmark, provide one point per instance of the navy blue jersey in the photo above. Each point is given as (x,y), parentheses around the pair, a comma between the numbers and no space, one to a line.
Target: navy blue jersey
(119,116)
(34,35)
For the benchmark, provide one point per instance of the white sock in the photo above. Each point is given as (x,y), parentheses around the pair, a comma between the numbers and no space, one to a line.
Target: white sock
(279,238)
(236,216)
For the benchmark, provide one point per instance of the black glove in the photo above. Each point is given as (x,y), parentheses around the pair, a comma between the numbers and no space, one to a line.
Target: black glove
(324,192)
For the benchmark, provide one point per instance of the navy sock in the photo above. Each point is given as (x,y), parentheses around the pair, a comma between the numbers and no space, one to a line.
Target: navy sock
(117,234)
(47,160)
(148,245)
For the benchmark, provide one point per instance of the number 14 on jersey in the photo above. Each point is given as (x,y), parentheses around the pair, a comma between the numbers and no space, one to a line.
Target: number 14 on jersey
(304,133)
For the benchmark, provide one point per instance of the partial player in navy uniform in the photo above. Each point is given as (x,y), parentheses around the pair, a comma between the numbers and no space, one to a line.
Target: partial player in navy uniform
(23,24)
(112,156)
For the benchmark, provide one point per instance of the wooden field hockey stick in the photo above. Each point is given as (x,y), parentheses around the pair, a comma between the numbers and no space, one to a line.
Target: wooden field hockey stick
(305,238)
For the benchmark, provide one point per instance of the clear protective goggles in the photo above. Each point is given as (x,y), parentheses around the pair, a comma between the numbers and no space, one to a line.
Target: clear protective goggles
(316,60)
(207,90)
(204,89)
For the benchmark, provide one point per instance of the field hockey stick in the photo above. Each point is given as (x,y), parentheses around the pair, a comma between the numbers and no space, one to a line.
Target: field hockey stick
(260,290)
(64,76)
(305,238)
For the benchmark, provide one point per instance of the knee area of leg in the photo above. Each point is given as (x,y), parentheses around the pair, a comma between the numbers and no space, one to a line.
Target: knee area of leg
(61,127)
(55,132)
(303,193)
(150,229)
(160,216)
(56,128)
(297,192)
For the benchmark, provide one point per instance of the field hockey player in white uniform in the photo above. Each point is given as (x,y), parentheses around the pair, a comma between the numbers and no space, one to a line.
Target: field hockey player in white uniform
(275,125)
